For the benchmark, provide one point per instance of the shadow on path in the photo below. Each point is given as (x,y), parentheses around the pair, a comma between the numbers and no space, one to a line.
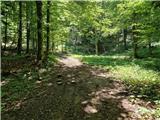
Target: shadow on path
(76,92)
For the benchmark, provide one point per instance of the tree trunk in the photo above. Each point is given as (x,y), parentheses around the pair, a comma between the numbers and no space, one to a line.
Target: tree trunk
(27,26)
(5,39)
(135,46)
(65,47)
(134,37)
(118,42)
(48,30)
(19,45)
(96,42)
(124,38)
(32,28)
(75,43)
(62,46)
(150,48)
(33,40)
(39,29)
(96,46)
(53,46)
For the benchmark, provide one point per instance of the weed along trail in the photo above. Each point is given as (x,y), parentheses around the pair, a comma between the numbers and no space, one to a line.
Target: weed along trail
(74,91)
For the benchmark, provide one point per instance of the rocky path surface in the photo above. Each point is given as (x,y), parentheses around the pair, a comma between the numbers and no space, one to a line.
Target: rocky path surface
(73,91)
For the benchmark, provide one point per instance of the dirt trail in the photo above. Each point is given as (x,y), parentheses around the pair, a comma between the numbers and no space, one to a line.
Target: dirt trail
(70,62)
(77,92)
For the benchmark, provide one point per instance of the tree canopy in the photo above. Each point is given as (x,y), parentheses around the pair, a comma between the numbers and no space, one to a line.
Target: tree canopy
(83,26)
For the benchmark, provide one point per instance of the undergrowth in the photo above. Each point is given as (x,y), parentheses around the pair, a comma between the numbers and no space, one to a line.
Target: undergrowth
(142,76)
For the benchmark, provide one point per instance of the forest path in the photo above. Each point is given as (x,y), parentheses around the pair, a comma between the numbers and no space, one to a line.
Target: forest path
(70,61)
(75,91)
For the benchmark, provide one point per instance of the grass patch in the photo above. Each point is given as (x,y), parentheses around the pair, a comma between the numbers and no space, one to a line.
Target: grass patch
(15,57)
(17,85)
(142,76)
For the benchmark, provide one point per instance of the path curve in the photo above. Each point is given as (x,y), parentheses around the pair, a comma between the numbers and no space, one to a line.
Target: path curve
(70,61)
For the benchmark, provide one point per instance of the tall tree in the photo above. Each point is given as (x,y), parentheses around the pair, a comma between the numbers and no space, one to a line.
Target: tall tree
(124,38)
(39,29)
(5,39)
(27,25)
(134,36)
(48,30)
(19,45)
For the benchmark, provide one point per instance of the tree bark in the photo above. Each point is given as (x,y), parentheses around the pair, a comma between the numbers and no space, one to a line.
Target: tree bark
(39,29)
(19,45)
(124,38)
(53,46)
(96,46)
(96,42)
(150,48)
(135,46)
(27,26)
(134,37)
(118,42)
(5,39)
(62,48)
(48,29)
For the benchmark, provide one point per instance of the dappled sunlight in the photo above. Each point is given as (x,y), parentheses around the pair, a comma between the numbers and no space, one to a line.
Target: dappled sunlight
(101,73)
(2,83)
(114,61)
(70,62)
(140,75)
(90,109)
(78,92)
(128,105)
(116,100)
(80,60)
(50,84)
(38,82)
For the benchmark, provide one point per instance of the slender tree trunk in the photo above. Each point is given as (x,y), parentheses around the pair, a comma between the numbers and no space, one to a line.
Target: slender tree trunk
(19,45)
(48,30)
(150,48)
(65,47)
(135,44)
(27,26)
(96,46)
(124,38)
(5,39)
(32,28)
(62,46)
(53,46)
(118,42)
(96,42)
(33,41)
(75,44)
(39,29)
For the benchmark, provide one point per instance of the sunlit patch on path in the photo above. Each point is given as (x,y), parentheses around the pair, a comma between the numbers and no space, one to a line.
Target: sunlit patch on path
(73,91)
(70,62)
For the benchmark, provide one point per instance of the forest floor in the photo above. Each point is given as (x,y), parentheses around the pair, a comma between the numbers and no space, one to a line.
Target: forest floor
(68,90)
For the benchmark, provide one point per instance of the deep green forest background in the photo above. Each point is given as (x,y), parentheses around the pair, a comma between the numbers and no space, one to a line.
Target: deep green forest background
(82,27)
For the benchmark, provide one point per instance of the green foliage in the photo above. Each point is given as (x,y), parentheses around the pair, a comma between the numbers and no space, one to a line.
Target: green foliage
(157,112)
(16,88)
(140,75)
(86,26)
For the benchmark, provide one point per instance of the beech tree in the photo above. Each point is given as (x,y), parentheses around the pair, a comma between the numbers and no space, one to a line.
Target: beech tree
(48,28)
(19,45)
(92,28)
(39,29)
